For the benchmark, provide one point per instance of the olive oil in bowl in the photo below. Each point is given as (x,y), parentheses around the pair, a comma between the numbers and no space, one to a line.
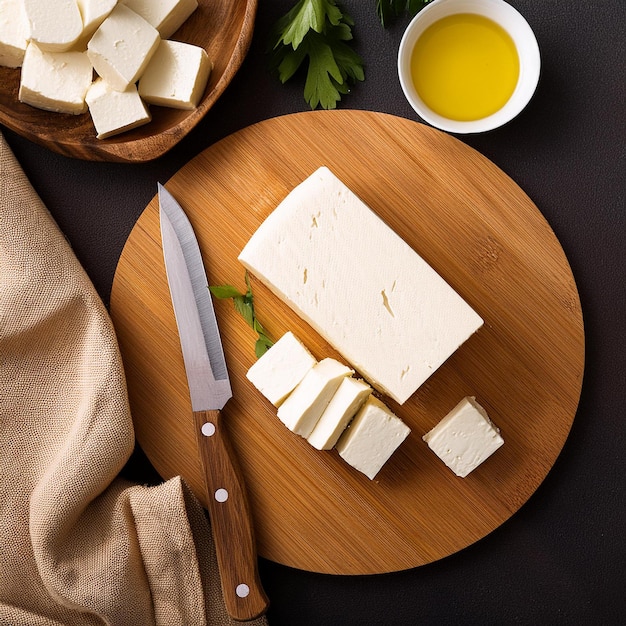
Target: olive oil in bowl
(465,67)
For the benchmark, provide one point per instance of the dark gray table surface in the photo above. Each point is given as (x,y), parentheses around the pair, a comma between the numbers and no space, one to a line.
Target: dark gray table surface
(562,558)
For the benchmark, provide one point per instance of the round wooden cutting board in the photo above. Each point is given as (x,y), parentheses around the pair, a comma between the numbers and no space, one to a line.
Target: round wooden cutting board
(477,228)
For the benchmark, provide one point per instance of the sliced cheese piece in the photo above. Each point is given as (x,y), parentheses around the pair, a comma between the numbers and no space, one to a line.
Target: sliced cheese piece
(464,438)
(14,32)
(372,437)
(167,16)
(342,269)
(122,47)
(348,399)
(54,26)
(176,75)
(55,81)
(115,111)
(281,368)
(306,403)
(93,12)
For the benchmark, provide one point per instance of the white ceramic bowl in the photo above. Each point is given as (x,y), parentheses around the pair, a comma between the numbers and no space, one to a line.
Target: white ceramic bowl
(514,24)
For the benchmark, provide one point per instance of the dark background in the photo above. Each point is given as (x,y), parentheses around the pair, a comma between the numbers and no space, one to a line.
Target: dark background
(561,558)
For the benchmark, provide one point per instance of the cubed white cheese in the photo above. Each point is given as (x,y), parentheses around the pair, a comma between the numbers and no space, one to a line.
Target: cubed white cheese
(281,368)
(115,111)
(54,26)
(93,12)
(122,47)
(176,75)
(55,81)
(464,438)
(348,399)
(342,269)
(372,437)
(306,403)
(14,32)
(167,16)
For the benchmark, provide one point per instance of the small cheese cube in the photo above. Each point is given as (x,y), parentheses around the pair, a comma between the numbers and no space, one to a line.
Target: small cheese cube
(281,368)
(167,16)
(122,47)
(326,254)
(14,32)
(55,81)
(464,438)
(54,26)
(93,12)
(352,393)
(372,437)
(115,111)
(306,403)
(176,76)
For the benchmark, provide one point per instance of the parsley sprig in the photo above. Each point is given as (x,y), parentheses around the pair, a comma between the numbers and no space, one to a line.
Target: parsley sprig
(317,30)
(387,10)
(244,305)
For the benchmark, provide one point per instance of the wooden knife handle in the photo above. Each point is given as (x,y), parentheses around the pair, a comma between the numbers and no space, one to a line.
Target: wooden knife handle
(230,519)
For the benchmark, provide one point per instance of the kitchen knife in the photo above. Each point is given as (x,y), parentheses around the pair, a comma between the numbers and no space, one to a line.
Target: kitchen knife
(209,389)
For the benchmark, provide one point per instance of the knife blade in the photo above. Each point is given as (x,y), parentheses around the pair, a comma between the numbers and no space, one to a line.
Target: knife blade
(209,390)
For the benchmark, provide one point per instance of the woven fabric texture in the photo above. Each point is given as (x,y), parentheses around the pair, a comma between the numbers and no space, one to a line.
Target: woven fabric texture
(79,545)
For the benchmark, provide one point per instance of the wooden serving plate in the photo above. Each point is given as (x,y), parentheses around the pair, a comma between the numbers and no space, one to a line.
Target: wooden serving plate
(477,228)
(222,27)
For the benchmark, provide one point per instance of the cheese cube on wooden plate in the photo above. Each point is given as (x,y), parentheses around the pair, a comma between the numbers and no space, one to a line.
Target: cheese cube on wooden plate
(122,47)
(93,13)
(165,15)
(372,437)
(464,438)
(54,26)
(176,75)
(352,393)
(115,111)
(281,368)
(342,269)
(55,81)
(306,403)
(14,33)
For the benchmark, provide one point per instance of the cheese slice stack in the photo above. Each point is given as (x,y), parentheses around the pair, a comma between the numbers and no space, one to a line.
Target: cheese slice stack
(341,268)
(321,402)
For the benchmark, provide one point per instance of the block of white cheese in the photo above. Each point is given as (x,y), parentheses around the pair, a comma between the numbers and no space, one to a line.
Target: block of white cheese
(176,75)
(304,406)
(14,33)
(165,15)
(341,268)
(55,81)
(115,111)
(122,47)
(372,437)
(281,368)
(464,438)
(348,399)
(93,12)
(54,26)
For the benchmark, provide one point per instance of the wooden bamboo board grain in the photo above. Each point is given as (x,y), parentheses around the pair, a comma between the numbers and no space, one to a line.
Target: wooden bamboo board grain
(477,228)
(222,27)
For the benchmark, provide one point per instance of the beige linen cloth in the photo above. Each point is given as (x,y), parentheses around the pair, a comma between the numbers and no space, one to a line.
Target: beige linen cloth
(78,544)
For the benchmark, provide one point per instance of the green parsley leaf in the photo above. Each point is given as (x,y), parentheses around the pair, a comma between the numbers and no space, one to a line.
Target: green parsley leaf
(317,31)
(224,292)
(388,10)
(244,305)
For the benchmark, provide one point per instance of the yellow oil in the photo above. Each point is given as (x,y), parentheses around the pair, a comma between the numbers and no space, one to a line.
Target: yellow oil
(465,67)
